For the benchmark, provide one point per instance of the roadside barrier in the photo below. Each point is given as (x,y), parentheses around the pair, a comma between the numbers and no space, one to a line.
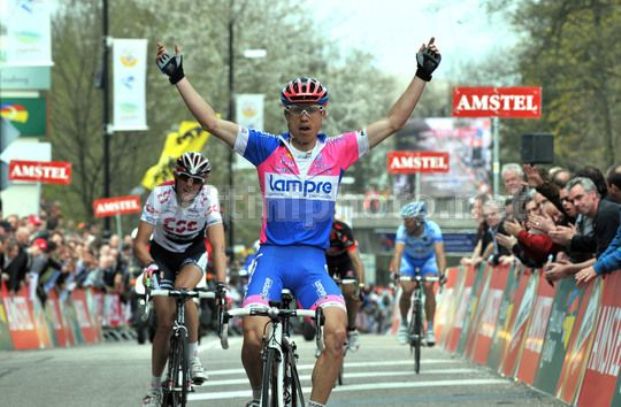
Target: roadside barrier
(561,339)
(80,318)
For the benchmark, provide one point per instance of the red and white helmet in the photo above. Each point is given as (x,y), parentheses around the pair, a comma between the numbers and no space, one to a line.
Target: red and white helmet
(304,90)
(193,165)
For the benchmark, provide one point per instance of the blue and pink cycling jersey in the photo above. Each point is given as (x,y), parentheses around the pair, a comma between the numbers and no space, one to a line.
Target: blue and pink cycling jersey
(419,255)
(298,209)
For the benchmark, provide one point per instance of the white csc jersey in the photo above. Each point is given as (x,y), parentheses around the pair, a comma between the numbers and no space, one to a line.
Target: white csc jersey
(175,228)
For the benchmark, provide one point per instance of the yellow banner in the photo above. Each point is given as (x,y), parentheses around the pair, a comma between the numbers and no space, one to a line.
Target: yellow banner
(189,137)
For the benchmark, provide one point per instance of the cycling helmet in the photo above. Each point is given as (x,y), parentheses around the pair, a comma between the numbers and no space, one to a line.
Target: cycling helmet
(415,209)
(193,164)
(304,90)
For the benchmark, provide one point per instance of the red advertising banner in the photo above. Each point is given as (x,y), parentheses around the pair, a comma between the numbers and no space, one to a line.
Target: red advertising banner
(410,162)
(62,331)
(489,317)
(464,294)
(446,303)
(51,172)
(539,319)
(579,347)
(599,385)
(87,328)
(508,102)
(20,315)
(119,205)
(480,299)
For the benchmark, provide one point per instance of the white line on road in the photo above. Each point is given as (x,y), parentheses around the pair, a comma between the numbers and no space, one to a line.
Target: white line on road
(352,375)
(357,387)
(425,362)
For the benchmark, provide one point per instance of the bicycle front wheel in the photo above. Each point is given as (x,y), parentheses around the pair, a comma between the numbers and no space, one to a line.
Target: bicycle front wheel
(269,385)
(178,371)
(417,334)
(297,397)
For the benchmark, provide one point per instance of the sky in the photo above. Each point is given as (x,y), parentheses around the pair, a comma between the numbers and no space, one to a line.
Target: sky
(393,30)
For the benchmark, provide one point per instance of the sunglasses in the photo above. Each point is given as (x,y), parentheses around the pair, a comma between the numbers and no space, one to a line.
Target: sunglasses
(185,178)
(299,110)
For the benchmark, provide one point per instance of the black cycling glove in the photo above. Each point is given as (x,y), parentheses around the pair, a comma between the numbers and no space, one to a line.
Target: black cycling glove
(427,61)
(171,66)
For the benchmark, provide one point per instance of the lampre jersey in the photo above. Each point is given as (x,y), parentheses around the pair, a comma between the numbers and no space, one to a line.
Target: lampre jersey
(175,228)
(298,201)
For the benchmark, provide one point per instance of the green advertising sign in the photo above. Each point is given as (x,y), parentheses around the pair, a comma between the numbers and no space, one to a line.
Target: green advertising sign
(25,78)
(6,343)
(564,311)
(27,115)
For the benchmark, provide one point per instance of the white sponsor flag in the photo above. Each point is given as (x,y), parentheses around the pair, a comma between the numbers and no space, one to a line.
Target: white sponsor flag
(130,75)
(27,40)
(249,114)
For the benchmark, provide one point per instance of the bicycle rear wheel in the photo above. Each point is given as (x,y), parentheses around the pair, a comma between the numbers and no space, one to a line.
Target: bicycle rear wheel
(269,385)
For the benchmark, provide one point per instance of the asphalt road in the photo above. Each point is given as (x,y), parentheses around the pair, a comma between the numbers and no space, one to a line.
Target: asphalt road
(379,374)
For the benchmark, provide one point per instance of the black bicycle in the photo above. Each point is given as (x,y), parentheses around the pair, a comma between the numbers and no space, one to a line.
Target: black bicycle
(280,385)
(175,389)
(415,325)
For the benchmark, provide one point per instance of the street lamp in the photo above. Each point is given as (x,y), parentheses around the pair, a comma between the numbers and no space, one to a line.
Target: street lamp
(251,54)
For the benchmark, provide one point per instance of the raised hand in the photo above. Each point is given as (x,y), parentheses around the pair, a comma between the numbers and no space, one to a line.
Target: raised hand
(427,60)
(170,65)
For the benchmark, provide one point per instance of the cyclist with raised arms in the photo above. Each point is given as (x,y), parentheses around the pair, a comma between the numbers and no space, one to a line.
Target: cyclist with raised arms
(419,249)
(299,173)
(344,262)
(178,215)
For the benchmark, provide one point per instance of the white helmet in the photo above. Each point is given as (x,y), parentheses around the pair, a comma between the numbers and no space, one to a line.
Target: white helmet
(193,165)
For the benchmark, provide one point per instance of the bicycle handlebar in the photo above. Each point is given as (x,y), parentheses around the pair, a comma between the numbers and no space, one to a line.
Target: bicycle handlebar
(418,278)
(271,312)
(182,293)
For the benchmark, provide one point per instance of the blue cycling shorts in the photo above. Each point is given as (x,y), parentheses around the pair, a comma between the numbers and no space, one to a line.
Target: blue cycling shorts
(424,267)
(301,269)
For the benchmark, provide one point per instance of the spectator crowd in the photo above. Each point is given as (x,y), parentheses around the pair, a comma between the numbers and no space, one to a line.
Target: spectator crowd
(568,224)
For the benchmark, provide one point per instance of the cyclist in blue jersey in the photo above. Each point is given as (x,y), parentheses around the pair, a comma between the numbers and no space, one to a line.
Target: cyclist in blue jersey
(299,173)
(419,249)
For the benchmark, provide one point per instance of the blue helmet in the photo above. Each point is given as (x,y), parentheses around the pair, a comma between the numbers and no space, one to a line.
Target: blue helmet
(415,209)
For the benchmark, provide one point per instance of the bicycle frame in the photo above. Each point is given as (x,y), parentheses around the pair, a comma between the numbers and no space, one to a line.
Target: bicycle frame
(176,388)
(279,350)
(415,326)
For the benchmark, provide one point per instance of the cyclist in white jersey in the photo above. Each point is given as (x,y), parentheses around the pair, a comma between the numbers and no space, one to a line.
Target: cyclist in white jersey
(178,214)
(419,250)
(299,173)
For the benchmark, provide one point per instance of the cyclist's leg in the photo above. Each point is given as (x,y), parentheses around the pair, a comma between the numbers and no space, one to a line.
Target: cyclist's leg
(430,269)
(190,273)
(313,288)
(329,362)
(352,297)
(407,287)
(165,314)
(264,286)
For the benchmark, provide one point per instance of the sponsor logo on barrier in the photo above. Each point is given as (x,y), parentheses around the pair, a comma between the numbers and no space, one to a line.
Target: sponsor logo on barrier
(523,313)
(18,314)
(463,307)
(606,353)
(490,315)
(537,328)
(82,314)
(51,312)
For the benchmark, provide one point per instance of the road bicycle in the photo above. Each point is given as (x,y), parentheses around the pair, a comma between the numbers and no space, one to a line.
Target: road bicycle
(175,388)
(280,386)
(415,324)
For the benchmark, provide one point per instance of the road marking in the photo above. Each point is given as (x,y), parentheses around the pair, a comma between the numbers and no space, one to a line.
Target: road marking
(347,365)
(352,375)
(357,387)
